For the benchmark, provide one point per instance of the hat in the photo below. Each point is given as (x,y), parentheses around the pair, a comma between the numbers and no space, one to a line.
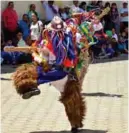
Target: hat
(56,24)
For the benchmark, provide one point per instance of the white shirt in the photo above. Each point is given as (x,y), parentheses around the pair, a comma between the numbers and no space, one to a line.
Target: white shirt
(124,19)
(115,36)
(48,11)
(97,27)
(21,43)
(36,30)
(75,9)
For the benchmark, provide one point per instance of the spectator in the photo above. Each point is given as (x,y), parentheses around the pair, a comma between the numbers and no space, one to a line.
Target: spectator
(51,10)
(82,7)
(24,26)
(75,7)
(9,57)
(100,4)
(107,19)
(92,6)
(122,46)
(107,51)
(31,11)
(10,20)
(19,40)
(114,35)
(63,14)
(36,28)
(67,11)
(124,16)
(115,18)
(22,57)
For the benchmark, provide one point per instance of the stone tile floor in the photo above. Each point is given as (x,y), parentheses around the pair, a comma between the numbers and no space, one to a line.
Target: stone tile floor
(105,89)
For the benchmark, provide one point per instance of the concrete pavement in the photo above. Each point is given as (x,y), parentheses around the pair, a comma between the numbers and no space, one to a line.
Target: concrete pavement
(105,89)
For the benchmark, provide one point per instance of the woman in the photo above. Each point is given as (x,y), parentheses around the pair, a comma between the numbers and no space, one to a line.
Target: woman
(10,19)
(115,18)
(107,19)
(31,11)
(24,26)
(36,28)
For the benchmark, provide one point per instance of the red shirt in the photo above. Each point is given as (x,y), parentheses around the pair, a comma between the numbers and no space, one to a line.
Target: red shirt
(10,19)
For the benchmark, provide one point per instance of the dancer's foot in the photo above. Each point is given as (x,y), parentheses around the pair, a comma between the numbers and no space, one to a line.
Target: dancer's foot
(74,130)
(31,93)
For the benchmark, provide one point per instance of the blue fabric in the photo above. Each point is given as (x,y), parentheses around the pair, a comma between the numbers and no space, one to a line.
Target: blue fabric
(25,28)
(49,76)
(122,46)
(110,50)
(10,56)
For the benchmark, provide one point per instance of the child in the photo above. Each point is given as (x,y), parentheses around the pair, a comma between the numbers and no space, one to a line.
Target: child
(122,46)
(107,51)
(114,35)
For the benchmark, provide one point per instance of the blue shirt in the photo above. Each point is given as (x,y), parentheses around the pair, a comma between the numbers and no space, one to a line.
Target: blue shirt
(25,28)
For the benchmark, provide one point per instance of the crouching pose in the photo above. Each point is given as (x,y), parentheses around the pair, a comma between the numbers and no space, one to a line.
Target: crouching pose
(58,58)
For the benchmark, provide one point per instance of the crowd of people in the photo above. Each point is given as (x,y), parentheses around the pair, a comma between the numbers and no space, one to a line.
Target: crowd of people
(27,32)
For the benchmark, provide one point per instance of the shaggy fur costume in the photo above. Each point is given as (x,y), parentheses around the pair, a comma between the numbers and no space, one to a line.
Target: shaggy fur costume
(25,78)
(73,102)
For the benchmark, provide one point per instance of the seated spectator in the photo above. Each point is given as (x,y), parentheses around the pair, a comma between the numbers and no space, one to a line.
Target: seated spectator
(51,10)
(19,40)
(36,28)
(122,46)
(114,35)
(31,11)
(123,43)
(16,57)
(82,7)
(9,57)
(124,16)
(107,51)
(10,20)
(24,26)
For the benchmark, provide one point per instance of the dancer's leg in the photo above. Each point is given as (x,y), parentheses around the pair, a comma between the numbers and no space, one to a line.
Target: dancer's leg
(74,104)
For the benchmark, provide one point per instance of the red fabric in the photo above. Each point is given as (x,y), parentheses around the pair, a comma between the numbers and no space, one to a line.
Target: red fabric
(68,63)
(10,19)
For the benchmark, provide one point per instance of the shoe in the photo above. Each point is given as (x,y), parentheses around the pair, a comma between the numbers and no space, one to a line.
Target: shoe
(74,130)
(31,93)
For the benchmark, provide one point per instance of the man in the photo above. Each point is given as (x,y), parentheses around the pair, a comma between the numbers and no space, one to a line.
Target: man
(10,19)
(51,10)
(75,7)
(124,16)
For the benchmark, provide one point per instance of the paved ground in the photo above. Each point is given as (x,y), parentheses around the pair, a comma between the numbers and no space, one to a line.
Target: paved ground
(105,90)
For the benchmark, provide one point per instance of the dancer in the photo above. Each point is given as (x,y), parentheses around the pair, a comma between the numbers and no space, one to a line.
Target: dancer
(57,57)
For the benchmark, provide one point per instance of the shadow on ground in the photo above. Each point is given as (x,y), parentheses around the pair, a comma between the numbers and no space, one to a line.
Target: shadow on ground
(81,131)
(121,57)
(101,94)
(8,79)
(7,69)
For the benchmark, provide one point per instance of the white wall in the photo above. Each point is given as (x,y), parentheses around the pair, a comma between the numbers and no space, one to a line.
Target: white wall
(22,6)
